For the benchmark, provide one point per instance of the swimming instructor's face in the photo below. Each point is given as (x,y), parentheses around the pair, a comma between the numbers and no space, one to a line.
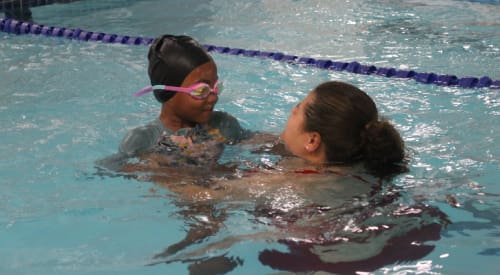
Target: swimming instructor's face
(188,110)
(294,136)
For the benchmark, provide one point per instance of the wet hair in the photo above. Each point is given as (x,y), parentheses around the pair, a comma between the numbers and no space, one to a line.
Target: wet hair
(171,59)
(351,130)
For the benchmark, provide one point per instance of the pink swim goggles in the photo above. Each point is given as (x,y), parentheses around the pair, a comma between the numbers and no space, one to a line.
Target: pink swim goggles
(198,90)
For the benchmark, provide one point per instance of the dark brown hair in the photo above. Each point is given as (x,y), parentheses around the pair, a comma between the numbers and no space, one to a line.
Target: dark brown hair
(351,131)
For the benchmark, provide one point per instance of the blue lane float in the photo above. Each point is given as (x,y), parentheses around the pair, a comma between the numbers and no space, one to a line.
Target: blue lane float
(23,28)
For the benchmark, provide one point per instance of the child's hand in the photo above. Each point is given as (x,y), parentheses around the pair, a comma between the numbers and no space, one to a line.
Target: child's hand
(182,141)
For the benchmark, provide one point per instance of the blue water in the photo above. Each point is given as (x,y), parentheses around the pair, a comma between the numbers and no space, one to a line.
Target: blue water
(65,104)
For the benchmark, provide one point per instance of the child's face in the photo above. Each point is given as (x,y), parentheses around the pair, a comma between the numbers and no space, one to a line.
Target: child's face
(191,110)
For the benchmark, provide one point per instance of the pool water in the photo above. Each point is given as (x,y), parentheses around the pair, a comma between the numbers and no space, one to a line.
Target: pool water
(65,104)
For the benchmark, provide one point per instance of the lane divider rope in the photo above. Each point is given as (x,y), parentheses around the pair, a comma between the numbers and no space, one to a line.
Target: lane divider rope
(25,28)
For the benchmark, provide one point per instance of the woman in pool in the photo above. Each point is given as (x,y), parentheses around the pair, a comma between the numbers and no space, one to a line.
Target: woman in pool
(337,125)
(336,129)
(184,80)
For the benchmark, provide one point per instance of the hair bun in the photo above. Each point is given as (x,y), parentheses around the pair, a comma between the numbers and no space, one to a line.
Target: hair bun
(370,131)
(383,147)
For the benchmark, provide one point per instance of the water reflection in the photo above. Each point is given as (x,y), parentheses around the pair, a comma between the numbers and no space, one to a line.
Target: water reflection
(341,224)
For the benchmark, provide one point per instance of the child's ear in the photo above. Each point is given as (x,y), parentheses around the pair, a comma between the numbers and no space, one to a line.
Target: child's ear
(313,142)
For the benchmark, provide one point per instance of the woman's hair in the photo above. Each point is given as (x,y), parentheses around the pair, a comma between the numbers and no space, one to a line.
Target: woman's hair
(351,131)
(171,59)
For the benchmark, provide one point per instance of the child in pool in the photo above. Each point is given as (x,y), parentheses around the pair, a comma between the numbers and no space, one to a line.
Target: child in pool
(184,80)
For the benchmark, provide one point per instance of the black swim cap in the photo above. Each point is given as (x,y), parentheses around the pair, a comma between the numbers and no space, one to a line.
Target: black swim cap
(171,59)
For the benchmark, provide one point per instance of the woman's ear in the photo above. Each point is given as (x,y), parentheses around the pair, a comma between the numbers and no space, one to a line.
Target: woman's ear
(313,142)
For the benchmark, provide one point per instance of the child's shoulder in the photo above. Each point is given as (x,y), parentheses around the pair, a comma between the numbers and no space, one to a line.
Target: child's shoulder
(229,126)
(221,116)
(141,138)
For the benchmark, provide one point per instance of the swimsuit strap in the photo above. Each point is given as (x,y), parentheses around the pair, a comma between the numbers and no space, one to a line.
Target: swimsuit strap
(307,171)
(311,171)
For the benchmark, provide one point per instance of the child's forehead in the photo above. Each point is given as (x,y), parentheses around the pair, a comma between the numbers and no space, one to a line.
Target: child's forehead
(204,73)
